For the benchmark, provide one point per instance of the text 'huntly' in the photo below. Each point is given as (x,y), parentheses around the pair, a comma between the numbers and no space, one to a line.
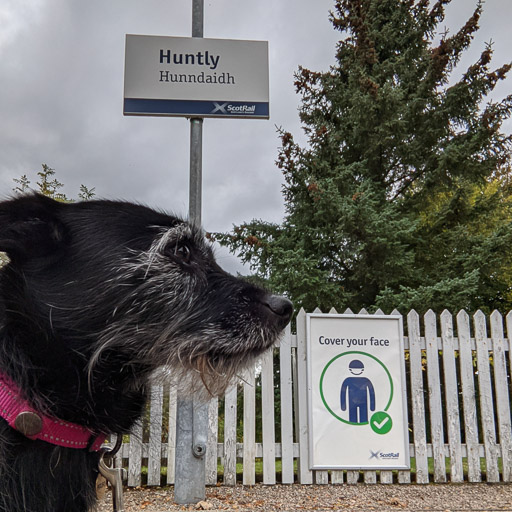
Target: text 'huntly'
(199,58)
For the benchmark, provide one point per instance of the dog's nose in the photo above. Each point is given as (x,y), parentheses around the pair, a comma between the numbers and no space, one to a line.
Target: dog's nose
(280,306)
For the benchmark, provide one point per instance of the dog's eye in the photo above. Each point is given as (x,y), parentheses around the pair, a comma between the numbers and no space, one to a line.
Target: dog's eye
(183,252)
(180,252)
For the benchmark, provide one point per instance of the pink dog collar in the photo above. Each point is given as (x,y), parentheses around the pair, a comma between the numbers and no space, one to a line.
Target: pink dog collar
(22,417)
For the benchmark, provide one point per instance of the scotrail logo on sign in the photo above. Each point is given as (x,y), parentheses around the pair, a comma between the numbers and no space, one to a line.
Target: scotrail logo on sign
(379,455)
(231,109)
(178,76)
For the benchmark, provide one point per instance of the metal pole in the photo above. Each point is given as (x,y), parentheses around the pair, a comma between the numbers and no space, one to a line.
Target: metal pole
(192,416)
(196,133)
(197,18)
(196,171)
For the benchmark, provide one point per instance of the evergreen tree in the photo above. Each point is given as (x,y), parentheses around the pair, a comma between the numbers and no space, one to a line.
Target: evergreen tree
(401,197)
(50,186)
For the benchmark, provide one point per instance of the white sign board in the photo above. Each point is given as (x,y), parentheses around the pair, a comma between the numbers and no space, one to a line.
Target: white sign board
(357,395)
(190,76)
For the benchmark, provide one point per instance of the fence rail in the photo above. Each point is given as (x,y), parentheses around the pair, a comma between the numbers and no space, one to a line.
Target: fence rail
(458,395)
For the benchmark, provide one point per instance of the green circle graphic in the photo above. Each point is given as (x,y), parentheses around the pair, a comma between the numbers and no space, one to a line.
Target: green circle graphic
(346,354)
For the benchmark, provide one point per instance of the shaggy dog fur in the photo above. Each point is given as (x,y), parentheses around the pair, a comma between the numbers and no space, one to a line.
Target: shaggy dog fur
(96,297)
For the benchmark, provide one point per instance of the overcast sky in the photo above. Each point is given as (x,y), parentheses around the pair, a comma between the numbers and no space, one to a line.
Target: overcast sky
(61,98)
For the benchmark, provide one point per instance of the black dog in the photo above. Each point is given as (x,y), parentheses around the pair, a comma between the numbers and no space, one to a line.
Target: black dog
(96,297)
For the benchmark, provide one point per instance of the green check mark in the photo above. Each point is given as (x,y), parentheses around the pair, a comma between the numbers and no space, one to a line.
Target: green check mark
(381,422)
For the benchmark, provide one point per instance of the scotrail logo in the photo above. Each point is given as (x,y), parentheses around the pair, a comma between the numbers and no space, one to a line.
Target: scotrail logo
(380,455)
(229,109)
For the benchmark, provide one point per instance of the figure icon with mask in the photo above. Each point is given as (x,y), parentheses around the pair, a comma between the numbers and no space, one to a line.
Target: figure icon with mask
(357,394)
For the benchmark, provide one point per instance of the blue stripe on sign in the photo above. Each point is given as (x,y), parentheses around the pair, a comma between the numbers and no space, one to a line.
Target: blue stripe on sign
(185,108)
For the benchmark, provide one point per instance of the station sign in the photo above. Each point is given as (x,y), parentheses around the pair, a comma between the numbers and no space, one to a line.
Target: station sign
(357,396)
(196,77)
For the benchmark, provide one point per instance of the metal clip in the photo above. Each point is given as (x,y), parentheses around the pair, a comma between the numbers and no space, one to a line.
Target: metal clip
(115,476)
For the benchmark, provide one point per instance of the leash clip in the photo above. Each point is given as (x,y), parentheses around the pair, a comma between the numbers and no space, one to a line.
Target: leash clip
(113,475)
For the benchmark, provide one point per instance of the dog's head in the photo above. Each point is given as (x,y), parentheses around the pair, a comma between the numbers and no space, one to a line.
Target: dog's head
(112,290)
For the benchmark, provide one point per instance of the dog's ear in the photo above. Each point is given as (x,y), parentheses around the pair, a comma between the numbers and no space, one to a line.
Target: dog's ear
(30,227)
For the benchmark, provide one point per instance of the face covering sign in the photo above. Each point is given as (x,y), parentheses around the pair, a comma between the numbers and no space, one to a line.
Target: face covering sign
(357,394)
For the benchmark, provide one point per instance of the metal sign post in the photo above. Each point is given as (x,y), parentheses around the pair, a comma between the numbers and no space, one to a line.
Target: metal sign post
(195,78)
(192,417)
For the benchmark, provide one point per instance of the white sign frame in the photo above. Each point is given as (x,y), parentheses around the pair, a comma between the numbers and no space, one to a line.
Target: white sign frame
(382,442)
(196,77)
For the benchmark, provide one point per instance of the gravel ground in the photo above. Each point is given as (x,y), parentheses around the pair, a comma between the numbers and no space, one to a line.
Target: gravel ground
(433,497)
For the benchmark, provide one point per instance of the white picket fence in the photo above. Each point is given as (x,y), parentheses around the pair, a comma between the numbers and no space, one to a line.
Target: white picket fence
(459,395)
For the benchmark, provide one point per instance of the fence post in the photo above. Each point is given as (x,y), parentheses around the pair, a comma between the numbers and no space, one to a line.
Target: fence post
(486,400)
(468,397)
(135,456)
(451,397)
(171,437)
(305,474)
(249,477)
(267,420)
(502,396)
(434,394)
(285,370)
(211,459)
(417,397)
(230,435)
(155,435)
